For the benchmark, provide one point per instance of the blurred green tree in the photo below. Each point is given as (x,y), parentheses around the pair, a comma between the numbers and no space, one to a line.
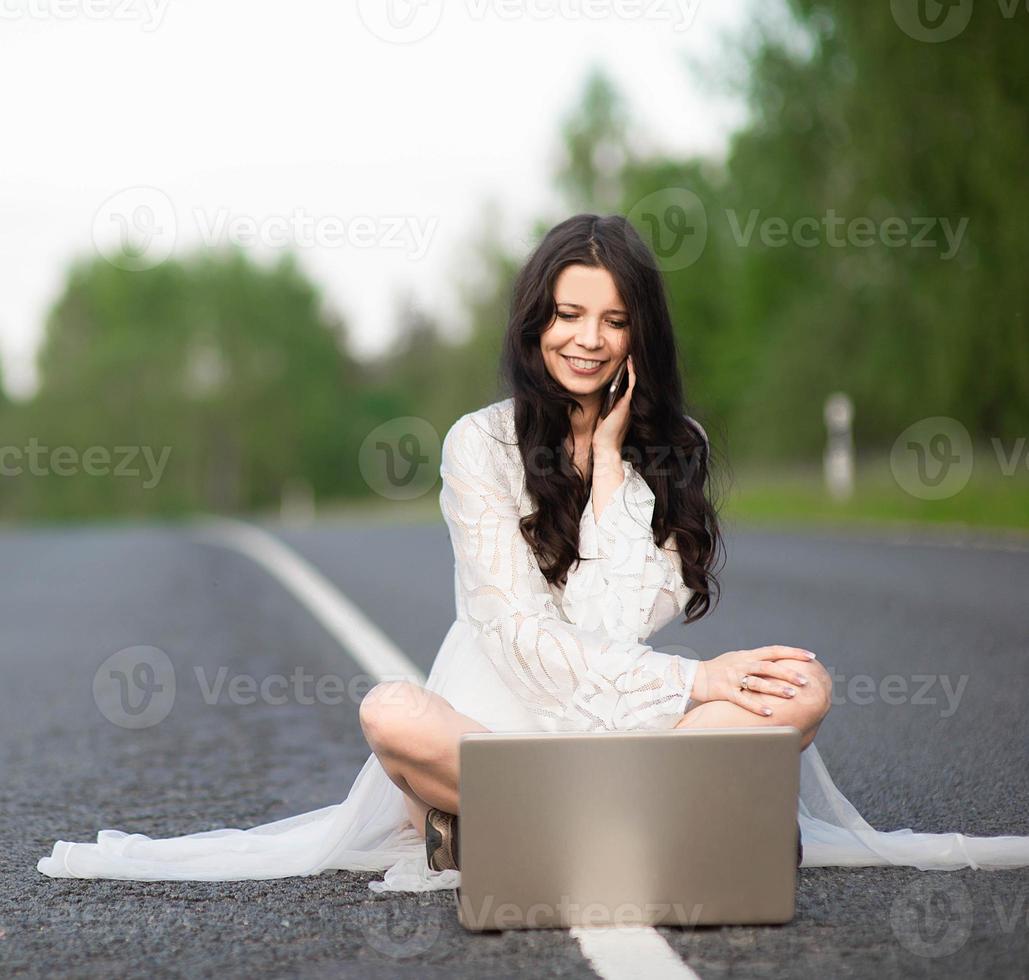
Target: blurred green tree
(235,370)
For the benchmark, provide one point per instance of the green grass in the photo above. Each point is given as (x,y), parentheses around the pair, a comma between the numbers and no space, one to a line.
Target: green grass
(769,494)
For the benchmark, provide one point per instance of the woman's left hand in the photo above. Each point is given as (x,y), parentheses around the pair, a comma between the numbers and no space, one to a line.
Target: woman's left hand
(610,432)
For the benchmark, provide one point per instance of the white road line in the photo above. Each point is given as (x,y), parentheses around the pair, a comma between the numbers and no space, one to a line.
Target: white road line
(615,953)
(631,953)
(355,632)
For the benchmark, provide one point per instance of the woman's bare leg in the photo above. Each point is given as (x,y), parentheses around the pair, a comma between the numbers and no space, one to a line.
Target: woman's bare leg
(414,733)
(804,711)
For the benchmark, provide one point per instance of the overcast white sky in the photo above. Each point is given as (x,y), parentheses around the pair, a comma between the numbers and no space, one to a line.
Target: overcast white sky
(405,113)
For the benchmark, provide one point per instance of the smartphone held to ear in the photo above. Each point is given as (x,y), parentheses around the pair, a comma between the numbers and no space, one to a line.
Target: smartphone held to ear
(617,388)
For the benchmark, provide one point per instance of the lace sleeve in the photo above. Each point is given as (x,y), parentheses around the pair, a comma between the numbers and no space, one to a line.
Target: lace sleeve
(625,585)
(570,677)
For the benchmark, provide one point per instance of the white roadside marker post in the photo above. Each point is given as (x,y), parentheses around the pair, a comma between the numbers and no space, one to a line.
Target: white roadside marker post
(838,458)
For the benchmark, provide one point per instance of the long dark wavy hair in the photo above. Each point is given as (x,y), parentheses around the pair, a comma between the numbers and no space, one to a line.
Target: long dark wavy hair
(664,443)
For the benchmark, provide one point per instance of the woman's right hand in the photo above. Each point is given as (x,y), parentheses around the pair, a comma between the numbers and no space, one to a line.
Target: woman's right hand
(719,679)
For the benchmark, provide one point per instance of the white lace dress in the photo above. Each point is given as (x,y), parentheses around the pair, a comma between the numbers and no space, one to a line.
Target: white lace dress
(523,656)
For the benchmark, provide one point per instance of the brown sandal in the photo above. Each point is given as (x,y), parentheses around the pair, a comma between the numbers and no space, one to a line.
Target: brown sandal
(441,841)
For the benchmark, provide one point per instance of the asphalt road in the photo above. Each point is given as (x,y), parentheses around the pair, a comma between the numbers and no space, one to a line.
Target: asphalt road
(945,755)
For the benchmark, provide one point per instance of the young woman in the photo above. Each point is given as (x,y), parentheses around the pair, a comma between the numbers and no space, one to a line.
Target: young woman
(580,526)
(565,637)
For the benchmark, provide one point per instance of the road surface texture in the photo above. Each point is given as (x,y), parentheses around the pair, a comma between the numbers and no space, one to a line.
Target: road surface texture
(883,613)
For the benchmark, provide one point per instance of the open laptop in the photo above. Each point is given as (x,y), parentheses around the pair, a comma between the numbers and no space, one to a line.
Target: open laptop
(618,828)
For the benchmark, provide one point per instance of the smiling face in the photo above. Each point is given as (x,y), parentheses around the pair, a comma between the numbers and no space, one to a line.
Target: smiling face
(589,335)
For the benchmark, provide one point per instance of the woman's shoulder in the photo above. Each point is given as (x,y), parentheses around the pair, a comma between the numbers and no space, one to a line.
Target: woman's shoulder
(493,421)
(489,429)
(483,442)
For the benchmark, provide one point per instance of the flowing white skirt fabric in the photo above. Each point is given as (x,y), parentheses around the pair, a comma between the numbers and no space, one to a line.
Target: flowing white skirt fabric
(370,829)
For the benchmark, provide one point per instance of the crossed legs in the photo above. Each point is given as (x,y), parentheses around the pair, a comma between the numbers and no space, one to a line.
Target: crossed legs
(415,733)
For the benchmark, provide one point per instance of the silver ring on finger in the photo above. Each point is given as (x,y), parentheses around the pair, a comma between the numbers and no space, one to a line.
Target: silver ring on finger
(745,683)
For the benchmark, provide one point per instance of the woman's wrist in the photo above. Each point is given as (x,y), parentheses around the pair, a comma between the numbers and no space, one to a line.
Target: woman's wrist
(699,692)
(607,457)
(608,475)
